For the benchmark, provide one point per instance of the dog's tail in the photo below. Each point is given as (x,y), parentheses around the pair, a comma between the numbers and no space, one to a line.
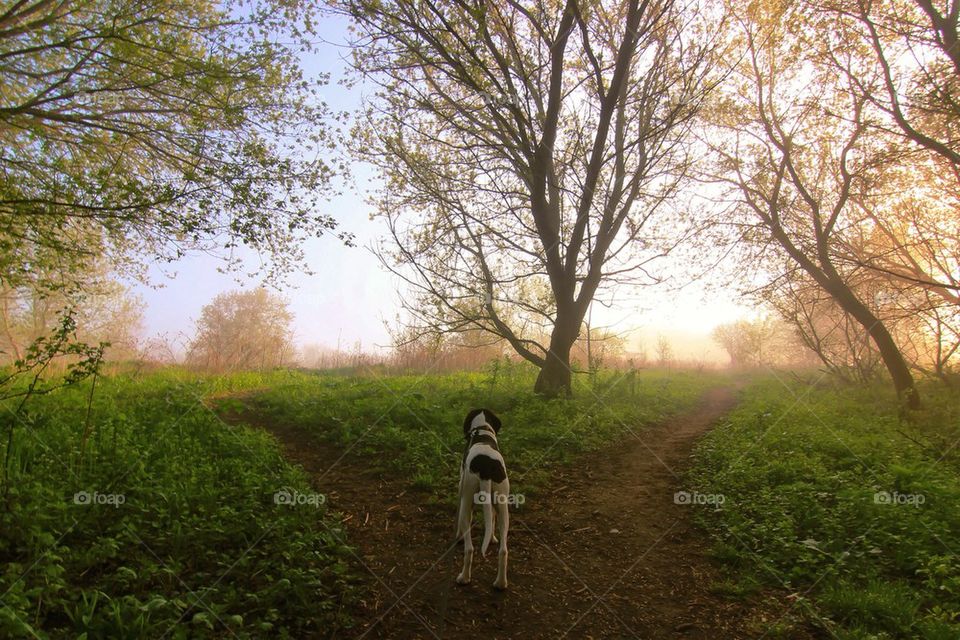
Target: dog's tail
(487,516)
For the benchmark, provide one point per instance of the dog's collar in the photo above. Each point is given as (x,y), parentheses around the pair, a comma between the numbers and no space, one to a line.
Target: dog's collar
(483,427)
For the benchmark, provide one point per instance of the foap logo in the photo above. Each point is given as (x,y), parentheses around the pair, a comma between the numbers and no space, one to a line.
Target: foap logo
(292,497)
(85,498)
(499,100)
(885,299)
(694,497)
(483,497)
(896,498)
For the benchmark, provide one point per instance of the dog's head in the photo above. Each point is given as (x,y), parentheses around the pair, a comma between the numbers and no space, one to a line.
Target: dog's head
(477,417)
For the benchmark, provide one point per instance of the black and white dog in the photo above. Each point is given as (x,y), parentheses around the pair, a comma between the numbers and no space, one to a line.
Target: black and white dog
(483,479)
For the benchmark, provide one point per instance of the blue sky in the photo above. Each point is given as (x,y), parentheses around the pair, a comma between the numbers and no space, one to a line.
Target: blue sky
(349,296)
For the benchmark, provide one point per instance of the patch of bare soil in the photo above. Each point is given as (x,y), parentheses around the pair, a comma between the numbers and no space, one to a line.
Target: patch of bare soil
(605,552)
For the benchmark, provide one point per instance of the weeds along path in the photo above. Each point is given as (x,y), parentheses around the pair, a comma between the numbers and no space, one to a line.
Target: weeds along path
(604,552)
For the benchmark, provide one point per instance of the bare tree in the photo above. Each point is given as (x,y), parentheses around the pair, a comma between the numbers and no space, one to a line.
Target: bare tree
(928,328)
(466,350)
(839,342)
(798,149)
(665,355)
(909,232)
(528,150)
(598,348)
(902,58)
(913,48)
(940,352)
(737,341)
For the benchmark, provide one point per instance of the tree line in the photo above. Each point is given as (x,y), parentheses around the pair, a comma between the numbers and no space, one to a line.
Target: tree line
(536,157)
(136,132)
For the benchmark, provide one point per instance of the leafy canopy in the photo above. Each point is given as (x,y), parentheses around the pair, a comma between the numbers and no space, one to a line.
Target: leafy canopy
(149,128)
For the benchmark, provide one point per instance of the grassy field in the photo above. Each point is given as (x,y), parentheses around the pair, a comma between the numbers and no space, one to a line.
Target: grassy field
(162,523)
(829,496)
(133,511)
(417,420)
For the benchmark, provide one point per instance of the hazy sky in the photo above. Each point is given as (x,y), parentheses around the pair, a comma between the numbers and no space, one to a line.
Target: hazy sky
(349,296)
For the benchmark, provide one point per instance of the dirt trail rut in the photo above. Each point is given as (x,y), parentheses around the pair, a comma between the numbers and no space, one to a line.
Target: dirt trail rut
(605,552)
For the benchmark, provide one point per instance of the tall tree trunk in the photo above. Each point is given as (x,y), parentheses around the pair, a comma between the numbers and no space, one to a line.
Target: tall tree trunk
(889,351)
(555,377)
(833,283)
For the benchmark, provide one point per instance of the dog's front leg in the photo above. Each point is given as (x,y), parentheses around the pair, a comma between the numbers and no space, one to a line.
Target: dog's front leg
(466,513)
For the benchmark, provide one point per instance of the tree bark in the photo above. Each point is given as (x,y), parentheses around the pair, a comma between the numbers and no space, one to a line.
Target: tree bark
(889,351)
(832,282)
(556,376)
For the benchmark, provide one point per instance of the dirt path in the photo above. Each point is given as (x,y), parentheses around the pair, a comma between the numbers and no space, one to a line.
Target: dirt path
(606,553)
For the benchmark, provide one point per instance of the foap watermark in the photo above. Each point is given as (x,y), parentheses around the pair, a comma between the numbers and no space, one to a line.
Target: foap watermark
(897,498)
(500,100)
(85,498)
(695,497)
(886,299)
(484,497)
(292,497)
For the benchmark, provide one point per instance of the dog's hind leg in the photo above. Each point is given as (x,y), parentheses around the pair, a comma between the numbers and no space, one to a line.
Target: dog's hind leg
(504,520)
(460,510)
(466,515)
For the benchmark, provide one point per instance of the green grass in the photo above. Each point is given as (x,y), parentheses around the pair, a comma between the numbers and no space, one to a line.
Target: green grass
(417,419)
(830,496)
(198,544)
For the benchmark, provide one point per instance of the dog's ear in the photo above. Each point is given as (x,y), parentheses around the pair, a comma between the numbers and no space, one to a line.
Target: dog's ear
(468,421)
(494,420)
